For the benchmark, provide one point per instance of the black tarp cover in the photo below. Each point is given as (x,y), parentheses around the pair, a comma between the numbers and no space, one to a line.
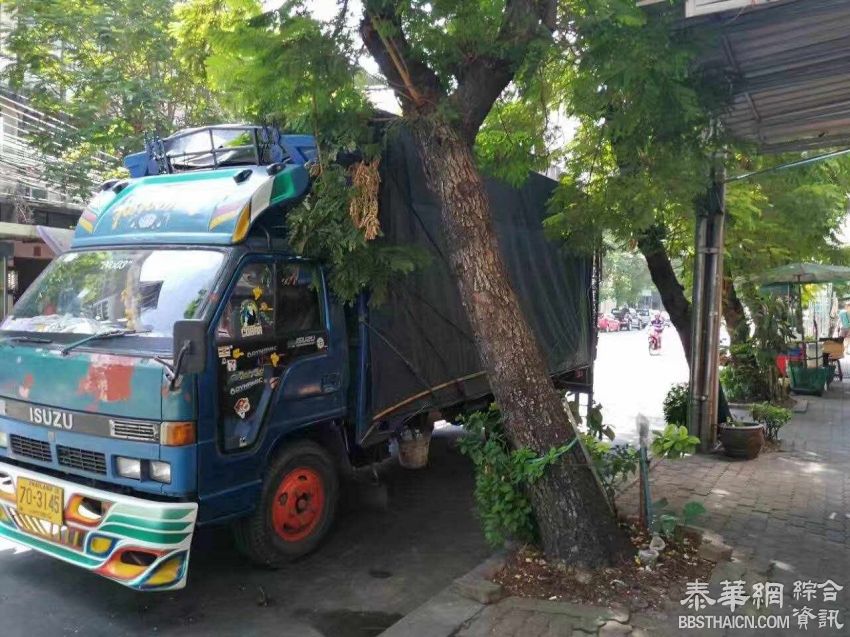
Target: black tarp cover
(421,347)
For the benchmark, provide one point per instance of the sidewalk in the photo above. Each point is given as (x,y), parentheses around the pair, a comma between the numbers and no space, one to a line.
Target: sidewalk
(786,514)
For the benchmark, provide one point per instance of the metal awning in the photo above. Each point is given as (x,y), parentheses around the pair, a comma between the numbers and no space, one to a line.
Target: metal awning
(57,239)
(791,61)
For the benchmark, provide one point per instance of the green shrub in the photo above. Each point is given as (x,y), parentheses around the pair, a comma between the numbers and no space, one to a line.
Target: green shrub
(744,378)
(614,463)
(502,477)
(772,417)
(673,442)
(676,405)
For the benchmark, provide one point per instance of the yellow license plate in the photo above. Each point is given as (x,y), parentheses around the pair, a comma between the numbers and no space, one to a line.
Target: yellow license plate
(40,500)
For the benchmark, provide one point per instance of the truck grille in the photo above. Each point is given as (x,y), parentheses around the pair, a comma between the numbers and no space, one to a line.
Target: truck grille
(93,461)
(31,448)
(130,430)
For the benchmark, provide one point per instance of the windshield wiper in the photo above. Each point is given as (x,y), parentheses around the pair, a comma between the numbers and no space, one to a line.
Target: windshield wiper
(100,335)
(27,339)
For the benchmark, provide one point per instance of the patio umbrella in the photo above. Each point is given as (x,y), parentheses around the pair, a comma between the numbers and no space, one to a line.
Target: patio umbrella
(803,273)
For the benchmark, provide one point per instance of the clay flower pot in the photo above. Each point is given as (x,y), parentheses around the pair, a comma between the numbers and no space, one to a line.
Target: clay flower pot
(742,441)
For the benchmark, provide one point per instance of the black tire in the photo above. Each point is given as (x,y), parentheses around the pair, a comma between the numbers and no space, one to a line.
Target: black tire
(255,536)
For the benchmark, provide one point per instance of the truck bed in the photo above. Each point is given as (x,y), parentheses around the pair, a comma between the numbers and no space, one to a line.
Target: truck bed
(421,351)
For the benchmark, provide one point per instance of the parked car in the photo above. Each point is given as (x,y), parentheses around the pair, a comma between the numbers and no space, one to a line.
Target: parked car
(620,313)
(607,322)
(645,317)
(636,321)
(628,318)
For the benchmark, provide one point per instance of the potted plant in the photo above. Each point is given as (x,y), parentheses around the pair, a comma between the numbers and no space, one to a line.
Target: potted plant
(741,439)
(772,417)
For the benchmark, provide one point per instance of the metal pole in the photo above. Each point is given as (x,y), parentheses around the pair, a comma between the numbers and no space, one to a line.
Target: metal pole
(708,272)
(708,431)
(696,369)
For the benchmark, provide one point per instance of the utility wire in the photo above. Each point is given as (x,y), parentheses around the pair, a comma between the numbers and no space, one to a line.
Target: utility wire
(792,164)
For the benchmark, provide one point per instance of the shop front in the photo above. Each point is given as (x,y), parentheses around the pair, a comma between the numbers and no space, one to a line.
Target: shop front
(25,251)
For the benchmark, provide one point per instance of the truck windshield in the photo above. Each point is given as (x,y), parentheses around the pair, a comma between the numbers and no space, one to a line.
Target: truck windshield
(141,291)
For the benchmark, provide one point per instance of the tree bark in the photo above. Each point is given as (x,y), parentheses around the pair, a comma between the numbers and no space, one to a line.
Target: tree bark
(665,279)
(575,519)
(733,312)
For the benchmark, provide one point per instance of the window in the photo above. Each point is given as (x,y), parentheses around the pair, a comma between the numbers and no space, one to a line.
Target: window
(143,290)
(259,309)
(249,311)
(298,305)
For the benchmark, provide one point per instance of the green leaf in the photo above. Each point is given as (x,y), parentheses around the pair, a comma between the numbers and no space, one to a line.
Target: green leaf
(692,510)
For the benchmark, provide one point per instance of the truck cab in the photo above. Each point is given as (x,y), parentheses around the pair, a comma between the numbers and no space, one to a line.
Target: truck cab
(179,366)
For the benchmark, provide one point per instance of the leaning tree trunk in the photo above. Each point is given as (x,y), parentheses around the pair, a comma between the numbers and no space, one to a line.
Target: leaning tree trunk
(665,279)
(576,521)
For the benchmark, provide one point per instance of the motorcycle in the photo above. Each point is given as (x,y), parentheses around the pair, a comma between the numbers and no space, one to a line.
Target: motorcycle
(655,340)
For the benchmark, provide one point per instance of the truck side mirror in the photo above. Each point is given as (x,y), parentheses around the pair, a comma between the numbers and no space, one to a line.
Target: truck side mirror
(190,346)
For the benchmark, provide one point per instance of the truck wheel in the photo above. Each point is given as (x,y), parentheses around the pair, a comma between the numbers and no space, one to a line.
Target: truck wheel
(296,508)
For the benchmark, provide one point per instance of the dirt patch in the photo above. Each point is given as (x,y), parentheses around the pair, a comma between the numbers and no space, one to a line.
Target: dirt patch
(528,573)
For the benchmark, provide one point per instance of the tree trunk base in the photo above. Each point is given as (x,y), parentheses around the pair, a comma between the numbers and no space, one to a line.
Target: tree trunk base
(576,522)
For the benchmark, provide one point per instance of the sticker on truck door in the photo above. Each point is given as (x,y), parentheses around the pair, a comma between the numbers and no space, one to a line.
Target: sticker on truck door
(273,317)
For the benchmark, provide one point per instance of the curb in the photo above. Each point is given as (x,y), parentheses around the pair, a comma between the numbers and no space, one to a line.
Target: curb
(460,603)
(455,605)
(478,584)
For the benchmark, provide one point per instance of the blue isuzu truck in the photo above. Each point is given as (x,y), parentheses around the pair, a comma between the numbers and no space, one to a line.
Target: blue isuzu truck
(181,366)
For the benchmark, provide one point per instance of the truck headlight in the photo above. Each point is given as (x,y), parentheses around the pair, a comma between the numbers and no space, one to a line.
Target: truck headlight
(128,467)
(160,471)
(4,439)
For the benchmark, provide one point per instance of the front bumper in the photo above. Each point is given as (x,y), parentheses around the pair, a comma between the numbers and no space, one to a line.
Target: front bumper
(139,543)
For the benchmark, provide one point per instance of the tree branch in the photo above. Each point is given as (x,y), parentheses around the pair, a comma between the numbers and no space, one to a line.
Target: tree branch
(339,22)
(481,82)
(409,76)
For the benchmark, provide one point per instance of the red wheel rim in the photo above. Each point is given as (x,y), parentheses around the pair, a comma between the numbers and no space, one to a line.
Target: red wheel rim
(298,504)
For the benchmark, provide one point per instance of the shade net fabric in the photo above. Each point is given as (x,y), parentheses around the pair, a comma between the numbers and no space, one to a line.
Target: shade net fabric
(422,350)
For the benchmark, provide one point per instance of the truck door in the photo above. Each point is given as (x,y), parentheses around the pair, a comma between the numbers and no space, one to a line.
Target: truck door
(278,368)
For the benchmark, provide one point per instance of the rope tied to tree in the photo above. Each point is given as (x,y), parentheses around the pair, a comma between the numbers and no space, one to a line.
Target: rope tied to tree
(363,206)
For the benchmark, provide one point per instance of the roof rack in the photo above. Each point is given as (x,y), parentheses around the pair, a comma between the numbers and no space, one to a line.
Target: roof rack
(218,146)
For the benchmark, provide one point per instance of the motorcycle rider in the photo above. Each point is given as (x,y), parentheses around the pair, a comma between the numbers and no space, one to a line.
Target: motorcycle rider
(657,326)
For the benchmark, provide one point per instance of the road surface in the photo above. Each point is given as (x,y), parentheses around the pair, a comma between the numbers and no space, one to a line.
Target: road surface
(629,381)
(377,566)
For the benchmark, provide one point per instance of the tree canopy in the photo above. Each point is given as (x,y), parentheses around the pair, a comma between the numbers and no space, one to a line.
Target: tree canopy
(106,69)
(624,277)
(787,215)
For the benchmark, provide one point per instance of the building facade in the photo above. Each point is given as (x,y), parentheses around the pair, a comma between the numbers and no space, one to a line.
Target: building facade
(31,197)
